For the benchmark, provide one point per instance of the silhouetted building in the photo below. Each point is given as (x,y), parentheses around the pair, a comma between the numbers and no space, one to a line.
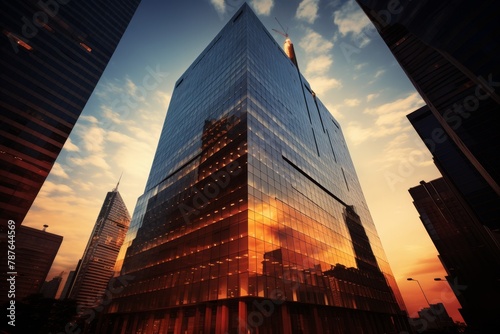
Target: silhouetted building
(466,249)
(252,197)
(34,253)
(49,288)
(53,54)
(69,283)
(434,319)
(449,53)
(96,266)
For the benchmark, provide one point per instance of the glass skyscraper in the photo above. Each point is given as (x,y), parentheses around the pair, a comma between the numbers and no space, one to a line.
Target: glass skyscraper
(253,219)
(98,260)
(53,54)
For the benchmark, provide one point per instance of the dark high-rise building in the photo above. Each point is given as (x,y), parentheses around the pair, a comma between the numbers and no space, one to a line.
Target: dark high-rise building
(53,54)
(35,251)
(69,282)
(434,319)
(466,249)
(253,219)
(450,54)
(49,288)
(96,266)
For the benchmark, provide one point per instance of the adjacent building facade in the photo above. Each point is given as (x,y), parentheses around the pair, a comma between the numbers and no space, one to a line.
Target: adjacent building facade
(34,254)
(53,54)
(253,219)
(466,249)
(96,266)
(449,53)
(49,288)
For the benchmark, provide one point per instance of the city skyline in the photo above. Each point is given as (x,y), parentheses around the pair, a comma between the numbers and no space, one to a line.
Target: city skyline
(92,142)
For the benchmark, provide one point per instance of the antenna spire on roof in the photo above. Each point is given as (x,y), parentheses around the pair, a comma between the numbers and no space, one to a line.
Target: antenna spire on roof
(116,188)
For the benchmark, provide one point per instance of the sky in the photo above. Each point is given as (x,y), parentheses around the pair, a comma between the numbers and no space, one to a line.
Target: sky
(348,66)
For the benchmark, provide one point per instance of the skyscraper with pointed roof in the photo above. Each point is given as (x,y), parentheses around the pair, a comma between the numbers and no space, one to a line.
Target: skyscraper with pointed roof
(99,257)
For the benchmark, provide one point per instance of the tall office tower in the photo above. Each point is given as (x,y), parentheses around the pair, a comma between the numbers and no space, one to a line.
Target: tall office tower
(450,54)
(434,319)
(34,253)
(49,288)
(53,54)
(468,253)
(253,219)
(68,284)
(99,257)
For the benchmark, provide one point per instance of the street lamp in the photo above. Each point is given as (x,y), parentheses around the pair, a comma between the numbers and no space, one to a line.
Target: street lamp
(414,280)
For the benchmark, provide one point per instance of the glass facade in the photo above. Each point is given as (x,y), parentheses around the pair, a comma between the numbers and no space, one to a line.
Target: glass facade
(253,219)
(98,261)
(53,54)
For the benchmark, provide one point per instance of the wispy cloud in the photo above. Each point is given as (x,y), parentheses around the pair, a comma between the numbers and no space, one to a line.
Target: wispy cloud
(262,7)
(307,11)
(58,170)
(351,21)
(320,65)
(352,102)
(70,146)
(319,61)
(92,138)
(388,119)
(378,73)
(322,84)
(314,43)
(360,66)
(370,97)
(219,5)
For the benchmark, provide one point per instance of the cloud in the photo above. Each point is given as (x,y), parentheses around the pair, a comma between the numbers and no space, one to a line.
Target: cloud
(378,73)
(58,170)
(108,113)
(352,102)
(314,43)
(307,11)
(69,146)
(403,106)
(90,119)
(322,84)
(93,138)
(334,110)
(50,188)
(370,97)
(219,5)
(320,65)
(360,66)
(95,160)
(162,98)
(388,119)
(351,20)
(318,62)
(262,7)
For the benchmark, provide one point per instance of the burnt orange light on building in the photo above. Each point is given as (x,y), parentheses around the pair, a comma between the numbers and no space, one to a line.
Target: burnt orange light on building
(86,47)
